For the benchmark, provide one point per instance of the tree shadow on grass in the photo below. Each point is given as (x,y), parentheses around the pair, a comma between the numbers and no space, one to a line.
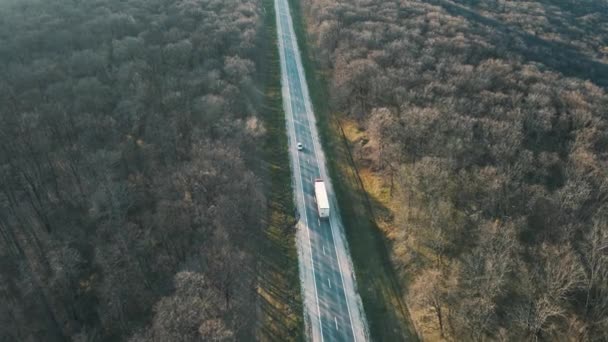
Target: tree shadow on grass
(278,285)
(377,280)
(280,302)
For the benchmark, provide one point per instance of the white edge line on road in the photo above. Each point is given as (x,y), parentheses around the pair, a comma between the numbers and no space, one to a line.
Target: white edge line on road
(284,77)
(308,113)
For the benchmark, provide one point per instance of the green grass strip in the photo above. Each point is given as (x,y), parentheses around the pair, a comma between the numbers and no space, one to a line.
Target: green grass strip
(386,313)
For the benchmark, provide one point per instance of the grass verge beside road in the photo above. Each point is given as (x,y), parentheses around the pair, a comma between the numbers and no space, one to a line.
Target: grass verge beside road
(385,310)
(280,300)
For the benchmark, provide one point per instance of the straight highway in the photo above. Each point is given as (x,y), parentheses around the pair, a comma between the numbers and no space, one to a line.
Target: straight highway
(332,307)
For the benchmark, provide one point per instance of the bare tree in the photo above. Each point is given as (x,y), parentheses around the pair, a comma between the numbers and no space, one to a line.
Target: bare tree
(430,291)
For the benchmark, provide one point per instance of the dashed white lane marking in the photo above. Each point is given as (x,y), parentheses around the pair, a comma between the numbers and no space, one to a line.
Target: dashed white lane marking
(324,249)
(336,321)
(286,84)
(315,153)
(329,282)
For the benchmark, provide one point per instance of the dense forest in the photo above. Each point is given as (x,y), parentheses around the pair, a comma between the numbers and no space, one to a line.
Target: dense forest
(487,122)
(129,191)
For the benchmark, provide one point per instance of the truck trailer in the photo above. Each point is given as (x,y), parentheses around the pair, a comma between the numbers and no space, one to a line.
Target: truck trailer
(321,196)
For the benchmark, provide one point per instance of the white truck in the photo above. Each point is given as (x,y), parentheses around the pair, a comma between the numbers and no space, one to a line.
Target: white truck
(321,196)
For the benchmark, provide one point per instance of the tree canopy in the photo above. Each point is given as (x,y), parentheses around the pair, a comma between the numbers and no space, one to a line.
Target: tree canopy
(128,192)
(489,117)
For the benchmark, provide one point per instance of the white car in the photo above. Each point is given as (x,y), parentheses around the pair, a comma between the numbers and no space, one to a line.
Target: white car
(300,146)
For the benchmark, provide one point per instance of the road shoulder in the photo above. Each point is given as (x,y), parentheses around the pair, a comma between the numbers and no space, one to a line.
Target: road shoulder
(280,300)
(376,279)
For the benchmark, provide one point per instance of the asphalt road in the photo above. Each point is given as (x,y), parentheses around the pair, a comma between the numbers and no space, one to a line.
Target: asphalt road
(332,307)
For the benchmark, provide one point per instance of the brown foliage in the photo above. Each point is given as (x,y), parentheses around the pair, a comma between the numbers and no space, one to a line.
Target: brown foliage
(488,116)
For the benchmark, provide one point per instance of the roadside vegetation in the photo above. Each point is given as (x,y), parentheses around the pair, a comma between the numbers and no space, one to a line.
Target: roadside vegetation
(478,129)
(279,286)
(141,197)
(376,281)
